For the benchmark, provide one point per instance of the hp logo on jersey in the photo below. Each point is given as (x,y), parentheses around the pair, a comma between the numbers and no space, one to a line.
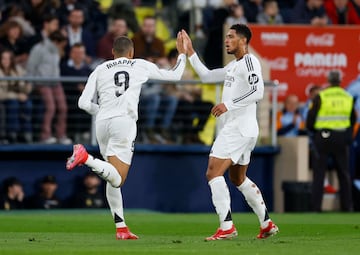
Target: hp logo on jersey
(253,79)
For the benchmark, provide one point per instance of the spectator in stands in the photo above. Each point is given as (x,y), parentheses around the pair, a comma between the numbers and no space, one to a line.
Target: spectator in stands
(15,13)
(146,44)
(155,103)
(13,194)
(98,23)
(35,10)
(11,38)
(213,53)
(310,12)
(192,112)
(78,122)
(341,12)
(313,92)
(49,25)
(288,120)
(124,9)
(45,197)
(270,15)
(44,61)
(186,9)
(95,20)
(117,28)
(17,100)
(91,194)
(77,33)
(66,6)
(236,15)
(252,9)
(286,7)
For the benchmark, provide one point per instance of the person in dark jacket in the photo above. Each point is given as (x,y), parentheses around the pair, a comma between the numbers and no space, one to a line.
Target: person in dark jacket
(309,12)
(91,195)
(46,197)
(79,122)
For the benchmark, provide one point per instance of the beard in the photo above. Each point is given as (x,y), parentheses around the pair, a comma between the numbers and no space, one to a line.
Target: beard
(230,52)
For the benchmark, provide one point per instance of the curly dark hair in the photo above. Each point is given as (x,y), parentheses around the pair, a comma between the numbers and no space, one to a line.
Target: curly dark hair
(244,30)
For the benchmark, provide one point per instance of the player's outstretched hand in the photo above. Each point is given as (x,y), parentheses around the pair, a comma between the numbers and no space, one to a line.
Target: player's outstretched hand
(187,43)
(180,43)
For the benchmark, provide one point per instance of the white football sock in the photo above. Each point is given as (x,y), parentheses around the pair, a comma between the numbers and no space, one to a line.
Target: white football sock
(255,200)
(105,170)
(114,198)
(221,200)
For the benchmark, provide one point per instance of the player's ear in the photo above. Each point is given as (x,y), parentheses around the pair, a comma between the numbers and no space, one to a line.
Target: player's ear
(131,53)
(112,52)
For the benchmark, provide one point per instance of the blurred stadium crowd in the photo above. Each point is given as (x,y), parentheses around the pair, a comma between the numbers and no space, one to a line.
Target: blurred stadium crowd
(87,193)
(53,38)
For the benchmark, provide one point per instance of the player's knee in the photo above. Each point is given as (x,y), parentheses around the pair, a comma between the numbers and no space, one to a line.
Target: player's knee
(237,180)
(209,172)
(209,176)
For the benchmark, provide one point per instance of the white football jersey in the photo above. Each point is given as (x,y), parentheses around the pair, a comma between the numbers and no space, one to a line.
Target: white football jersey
(116,86)
(243,87)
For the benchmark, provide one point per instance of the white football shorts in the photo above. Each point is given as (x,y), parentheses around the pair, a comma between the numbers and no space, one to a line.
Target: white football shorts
(231,144)
(116,137)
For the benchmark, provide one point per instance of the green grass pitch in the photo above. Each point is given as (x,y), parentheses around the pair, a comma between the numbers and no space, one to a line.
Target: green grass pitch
(92,232)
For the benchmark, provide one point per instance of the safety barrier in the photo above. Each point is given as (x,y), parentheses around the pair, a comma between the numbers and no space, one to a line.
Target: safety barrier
(266,110)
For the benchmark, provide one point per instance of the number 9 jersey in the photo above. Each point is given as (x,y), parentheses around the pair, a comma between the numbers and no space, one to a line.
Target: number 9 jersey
(113,88)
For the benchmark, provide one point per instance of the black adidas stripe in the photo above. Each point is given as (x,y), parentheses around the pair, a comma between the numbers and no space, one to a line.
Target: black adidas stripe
(249,64)
(177,65)
(252,91)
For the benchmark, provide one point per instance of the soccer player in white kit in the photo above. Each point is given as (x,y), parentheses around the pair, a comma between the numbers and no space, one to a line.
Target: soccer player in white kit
(117,84)
(243,88)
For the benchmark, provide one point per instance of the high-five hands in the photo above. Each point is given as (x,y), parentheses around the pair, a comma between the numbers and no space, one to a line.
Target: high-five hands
(180,43)
(187,43)
(184,43)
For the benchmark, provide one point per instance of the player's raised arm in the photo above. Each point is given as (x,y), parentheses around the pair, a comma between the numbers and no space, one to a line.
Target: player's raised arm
(177,71)
(206,75)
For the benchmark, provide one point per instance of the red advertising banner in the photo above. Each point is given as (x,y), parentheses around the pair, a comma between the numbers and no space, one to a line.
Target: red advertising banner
(302,56)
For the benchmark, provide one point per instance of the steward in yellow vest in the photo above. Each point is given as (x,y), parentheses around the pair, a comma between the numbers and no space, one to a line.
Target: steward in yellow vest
(331,118)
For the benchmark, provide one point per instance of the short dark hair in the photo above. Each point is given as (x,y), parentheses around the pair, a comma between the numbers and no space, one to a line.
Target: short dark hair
(48,17)
(149,17)
(334,77)
(57,36)
(244,30)
(48,179)
(266,3)
(77,45)
(314,88)
(122,45)
(9,182)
